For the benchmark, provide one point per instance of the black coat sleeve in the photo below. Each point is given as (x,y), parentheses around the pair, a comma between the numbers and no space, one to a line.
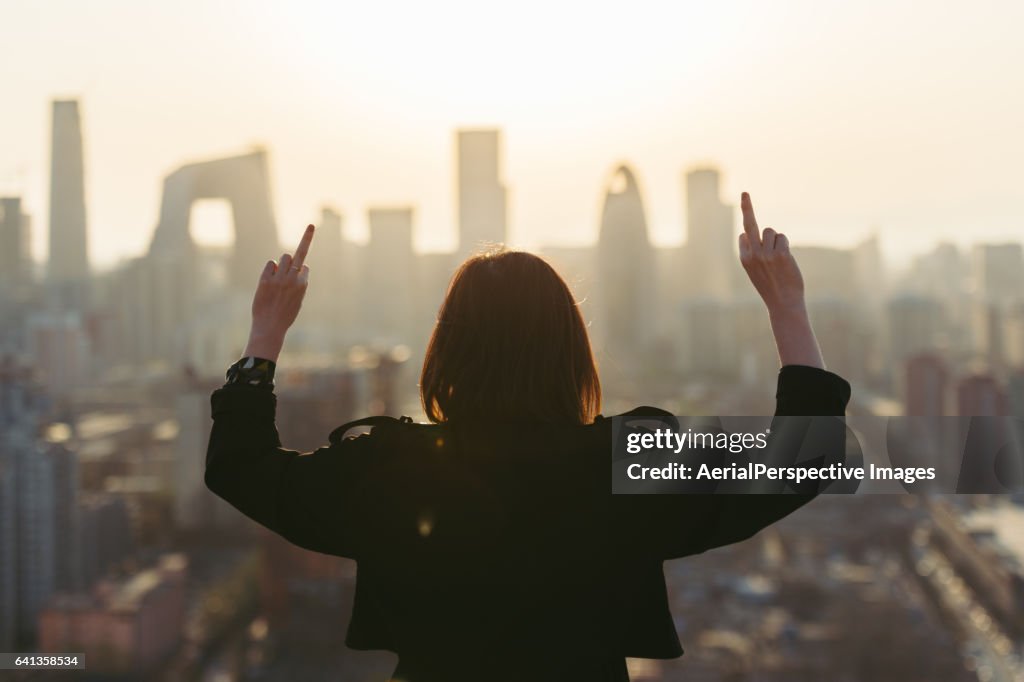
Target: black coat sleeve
(304,497)
(676,525)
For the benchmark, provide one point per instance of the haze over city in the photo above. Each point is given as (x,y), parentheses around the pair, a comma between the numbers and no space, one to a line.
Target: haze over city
(137,140)
(904,121)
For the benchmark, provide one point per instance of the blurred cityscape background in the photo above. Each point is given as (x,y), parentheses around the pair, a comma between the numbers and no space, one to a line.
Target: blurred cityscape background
(111,545)
(883,137)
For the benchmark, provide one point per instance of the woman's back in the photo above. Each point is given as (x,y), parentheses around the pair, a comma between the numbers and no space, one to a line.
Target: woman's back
(492,537)
(492,541)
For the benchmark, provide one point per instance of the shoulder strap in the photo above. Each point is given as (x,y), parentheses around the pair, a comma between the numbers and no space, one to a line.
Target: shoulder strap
(339,433)
(655,412)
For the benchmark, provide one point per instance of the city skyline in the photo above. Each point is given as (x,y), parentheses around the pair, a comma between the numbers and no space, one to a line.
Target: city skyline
(166,151)
(913,139)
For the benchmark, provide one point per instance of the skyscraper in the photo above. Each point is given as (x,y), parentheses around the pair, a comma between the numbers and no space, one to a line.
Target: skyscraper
(625,270)
(332,275)
(67,550)
(15,243)
(69,254)
(712,268)
(482,199)
(389,276)
(35,529)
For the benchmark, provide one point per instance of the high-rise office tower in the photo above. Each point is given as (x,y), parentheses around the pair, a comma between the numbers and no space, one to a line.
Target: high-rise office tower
(67,550)
(482,199)
(389,276)
(35,537)
(15,247)
(625,270)
(68,271)
(325,261)
(331,264)
(713,268)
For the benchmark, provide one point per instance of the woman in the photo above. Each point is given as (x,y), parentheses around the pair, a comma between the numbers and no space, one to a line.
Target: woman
(489,545)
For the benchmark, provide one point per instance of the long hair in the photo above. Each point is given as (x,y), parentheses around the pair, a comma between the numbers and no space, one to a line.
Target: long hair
(509,343)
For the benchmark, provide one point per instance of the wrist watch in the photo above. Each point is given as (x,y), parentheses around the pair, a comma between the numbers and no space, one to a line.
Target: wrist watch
(251,371)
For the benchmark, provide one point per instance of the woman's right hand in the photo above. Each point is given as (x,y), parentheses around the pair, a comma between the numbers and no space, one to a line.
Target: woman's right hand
(773,271)
(770,265)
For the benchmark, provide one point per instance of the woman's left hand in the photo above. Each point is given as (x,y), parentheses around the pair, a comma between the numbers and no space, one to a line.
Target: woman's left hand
(278,299)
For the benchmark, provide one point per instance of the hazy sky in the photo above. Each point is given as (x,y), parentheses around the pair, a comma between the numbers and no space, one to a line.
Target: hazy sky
(839,117)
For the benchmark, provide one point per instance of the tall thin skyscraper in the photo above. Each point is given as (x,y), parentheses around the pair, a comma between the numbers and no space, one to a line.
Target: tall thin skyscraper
(15,263)
(389,275)
(709,221)
(482,196)
(69,257)
(15,256)
(625,270)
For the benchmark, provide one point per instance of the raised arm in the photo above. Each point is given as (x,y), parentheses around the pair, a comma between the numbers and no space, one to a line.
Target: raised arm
(301,496)
(773,271)
(676,525)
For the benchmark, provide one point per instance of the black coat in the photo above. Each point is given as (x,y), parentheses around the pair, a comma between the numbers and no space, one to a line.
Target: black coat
(490,542)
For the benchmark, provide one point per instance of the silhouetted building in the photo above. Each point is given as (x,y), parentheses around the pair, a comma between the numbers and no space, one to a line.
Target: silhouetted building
(244,181)
(35,527)
(68,271)
(482,201)
(15,251)
(434,272)
(712,264)
(66,517)
(625,270)
(333,277)
(389,276)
